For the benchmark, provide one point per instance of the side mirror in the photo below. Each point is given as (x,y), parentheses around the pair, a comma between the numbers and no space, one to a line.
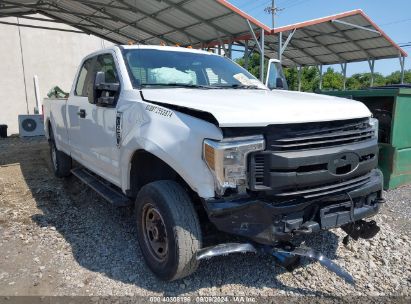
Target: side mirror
(105,94)
(275,76)
(279,84)
(100,79)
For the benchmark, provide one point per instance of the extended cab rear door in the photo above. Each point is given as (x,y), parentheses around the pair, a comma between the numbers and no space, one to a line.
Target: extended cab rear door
(79,110)
(93,137)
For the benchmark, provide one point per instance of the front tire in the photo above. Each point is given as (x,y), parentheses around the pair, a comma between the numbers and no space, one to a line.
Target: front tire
(168,230)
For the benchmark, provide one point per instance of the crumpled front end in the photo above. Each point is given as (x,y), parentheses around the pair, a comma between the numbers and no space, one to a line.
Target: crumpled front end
(266,221)
(309,177)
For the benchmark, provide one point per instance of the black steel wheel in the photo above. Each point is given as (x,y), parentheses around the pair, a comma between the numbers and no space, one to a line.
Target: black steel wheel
(168,230)
(154,231)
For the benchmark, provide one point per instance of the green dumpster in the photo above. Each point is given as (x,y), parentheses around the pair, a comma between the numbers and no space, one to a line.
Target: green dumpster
(391,105)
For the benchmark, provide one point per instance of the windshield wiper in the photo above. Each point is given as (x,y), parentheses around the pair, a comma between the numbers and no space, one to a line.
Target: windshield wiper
(177,85)
(241,86)
(200,86)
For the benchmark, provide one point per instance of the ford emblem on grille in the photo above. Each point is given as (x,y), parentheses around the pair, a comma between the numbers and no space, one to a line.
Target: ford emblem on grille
(344,163)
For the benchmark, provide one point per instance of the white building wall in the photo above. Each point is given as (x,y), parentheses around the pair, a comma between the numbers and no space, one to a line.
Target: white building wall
(53,56)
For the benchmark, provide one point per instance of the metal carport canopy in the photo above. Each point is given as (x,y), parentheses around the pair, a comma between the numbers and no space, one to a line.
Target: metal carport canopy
(339,39)
(185,22)
(343,38)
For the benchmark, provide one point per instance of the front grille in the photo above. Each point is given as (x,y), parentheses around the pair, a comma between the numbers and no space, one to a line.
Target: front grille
(313,159)
(313,192)
(318,135)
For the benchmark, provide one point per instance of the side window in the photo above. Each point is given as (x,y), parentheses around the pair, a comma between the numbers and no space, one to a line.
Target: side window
(105,63)
(84,75)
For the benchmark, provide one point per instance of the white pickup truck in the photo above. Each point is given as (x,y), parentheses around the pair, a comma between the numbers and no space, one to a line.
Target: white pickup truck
(195,141)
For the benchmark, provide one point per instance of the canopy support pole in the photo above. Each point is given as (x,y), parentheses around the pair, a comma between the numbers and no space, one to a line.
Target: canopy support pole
(260,46)
(402,63)
(283,47)
(299,78)
(320,69)
(230,50)
(262,55)
(222,45)
(356,26)
(344,72)
(246,50)
(254,36)
(371,63)
(280,45)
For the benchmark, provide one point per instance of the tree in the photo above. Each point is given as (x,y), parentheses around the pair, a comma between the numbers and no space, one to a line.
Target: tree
(363,80)
(291,74)
(310,79)
(332,80)
(395,77)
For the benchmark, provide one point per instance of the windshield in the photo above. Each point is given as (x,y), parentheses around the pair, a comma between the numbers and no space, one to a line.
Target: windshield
(157,68)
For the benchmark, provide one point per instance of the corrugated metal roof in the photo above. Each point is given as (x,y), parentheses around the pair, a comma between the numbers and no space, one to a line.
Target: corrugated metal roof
(347,37)
(203,23)
(184,22)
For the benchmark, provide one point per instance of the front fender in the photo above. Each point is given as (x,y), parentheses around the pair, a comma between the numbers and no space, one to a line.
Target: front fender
(175,138)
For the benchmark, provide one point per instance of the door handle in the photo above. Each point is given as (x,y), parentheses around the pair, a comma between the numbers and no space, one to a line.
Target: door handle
(82,113)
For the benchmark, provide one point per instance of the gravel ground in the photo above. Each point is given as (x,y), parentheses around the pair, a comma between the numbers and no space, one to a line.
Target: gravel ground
(57,237)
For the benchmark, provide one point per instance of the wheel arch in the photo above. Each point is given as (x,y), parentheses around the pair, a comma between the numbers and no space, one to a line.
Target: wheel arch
(48,128)
(146,167)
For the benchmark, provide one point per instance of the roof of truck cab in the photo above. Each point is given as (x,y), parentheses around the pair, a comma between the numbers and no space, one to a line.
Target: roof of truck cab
(148,47)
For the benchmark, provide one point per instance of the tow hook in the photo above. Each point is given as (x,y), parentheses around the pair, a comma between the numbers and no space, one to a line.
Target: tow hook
(285,254)
(360,229)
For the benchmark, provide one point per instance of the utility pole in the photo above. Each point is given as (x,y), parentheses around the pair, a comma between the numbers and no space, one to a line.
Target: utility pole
(273,10)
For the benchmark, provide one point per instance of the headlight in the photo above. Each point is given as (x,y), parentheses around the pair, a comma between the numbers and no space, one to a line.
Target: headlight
(227,160)
(374,124)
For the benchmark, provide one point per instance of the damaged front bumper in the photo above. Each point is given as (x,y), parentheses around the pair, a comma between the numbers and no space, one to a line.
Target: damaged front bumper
(285,254)
(267,221)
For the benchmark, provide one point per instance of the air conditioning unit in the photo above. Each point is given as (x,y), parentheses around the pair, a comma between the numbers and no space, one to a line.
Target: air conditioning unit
(31,125)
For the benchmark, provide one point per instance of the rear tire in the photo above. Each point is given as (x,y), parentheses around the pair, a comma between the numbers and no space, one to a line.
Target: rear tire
(168,230)
(60,161)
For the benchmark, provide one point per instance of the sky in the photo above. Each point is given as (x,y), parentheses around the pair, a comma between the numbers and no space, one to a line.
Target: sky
(393,17)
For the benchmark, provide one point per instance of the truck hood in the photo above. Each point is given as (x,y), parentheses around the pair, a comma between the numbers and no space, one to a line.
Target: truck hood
(240,108)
